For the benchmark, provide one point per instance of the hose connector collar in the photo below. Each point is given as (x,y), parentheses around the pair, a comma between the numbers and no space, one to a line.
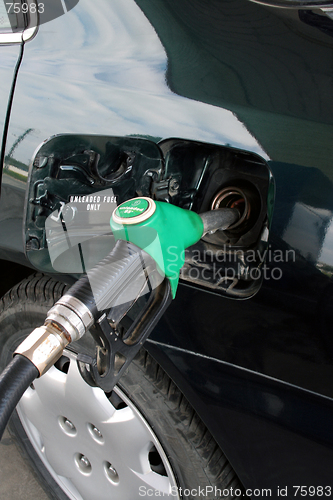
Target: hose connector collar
(44,346)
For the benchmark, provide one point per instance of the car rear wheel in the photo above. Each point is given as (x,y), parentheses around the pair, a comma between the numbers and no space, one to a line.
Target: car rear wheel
(141,440)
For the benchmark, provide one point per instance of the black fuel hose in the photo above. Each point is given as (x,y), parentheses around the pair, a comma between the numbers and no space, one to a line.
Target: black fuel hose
(111,277)
(14,381)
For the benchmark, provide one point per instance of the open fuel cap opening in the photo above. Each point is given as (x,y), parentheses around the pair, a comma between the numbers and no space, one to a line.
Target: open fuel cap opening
(134,211)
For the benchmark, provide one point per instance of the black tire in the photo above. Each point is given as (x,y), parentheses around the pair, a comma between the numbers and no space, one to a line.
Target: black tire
(194,456)
(22,309)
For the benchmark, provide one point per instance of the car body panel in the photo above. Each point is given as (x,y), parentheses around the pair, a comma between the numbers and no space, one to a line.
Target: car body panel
(9,58)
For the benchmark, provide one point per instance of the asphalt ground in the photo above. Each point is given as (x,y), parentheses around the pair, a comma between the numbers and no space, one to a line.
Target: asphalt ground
(17,480)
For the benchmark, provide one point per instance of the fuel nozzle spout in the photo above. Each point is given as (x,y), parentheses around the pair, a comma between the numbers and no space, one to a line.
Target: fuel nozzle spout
(165,231)
(219,219)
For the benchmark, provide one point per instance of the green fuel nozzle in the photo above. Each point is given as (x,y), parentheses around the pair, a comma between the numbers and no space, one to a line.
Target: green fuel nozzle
(141,226)
(164,231)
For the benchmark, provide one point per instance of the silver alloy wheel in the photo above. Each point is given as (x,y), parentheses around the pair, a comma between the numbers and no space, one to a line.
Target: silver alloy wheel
(91,449)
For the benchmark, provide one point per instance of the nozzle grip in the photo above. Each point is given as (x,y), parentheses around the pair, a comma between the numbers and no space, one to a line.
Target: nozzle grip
(99,289)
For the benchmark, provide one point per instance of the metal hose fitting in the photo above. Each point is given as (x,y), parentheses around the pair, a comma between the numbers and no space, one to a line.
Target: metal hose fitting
(44,346)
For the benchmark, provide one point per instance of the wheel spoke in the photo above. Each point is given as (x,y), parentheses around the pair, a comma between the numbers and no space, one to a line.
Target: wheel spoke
(128,439)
